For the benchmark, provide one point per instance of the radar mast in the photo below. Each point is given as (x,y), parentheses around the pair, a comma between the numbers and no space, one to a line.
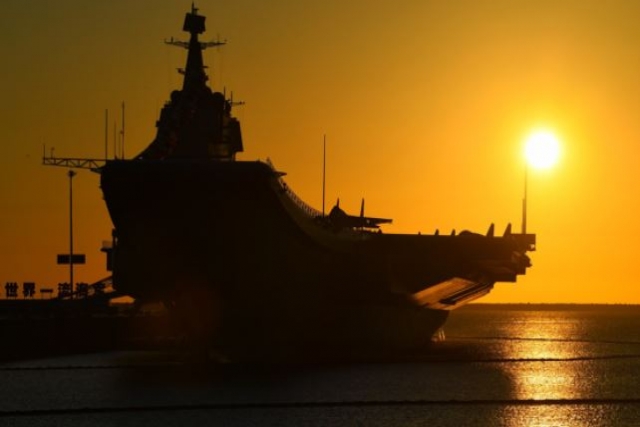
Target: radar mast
(194,74)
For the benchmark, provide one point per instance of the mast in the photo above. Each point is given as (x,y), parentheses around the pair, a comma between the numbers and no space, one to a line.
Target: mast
(324,163)
(122,131)
(194,75)
(524,202)
(106,134)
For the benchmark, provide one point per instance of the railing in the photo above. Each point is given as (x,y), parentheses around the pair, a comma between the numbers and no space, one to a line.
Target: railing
(306,208)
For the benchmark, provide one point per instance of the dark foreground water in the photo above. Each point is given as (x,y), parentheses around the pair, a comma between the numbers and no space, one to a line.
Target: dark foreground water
(499,366)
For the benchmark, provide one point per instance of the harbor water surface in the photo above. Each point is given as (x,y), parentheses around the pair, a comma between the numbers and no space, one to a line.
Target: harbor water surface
(500,365)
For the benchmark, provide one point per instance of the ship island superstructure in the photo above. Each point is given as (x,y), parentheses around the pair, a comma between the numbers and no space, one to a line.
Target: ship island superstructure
(247,266)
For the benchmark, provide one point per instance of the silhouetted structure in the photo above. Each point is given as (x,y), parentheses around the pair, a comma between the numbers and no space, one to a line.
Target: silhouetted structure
(64,289)
(28,289)
(82,289)
(249,267)
(11,289)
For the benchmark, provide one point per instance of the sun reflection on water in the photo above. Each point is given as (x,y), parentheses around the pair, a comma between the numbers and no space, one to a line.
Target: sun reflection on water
(545,360)
(542,336)
(555,416)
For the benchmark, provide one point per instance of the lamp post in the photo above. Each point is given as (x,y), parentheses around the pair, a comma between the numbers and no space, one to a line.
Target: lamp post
(524,199)
(71,174)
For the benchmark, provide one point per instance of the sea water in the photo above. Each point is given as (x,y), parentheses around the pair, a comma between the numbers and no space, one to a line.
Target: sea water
(499,365)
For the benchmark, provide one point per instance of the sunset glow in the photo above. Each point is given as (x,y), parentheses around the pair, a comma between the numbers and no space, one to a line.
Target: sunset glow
(427,107)
(542,150)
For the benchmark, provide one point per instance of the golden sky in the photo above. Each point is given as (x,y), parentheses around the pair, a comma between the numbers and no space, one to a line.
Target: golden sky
(425,104)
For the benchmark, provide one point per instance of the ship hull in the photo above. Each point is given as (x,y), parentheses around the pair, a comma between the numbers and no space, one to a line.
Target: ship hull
(245,267)
(213,240)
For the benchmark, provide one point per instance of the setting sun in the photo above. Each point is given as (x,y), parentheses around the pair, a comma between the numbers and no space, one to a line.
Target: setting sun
(542,149)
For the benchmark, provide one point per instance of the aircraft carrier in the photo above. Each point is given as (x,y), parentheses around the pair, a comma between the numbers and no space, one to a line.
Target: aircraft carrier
(250,271)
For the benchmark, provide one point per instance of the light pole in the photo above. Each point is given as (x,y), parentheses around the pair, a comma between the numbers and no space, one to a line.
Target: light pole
(71,174)
(524,199)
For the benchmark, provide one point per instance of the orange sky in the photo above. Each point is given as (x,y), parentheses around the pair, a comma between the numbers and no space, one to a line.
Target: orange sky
(425,104)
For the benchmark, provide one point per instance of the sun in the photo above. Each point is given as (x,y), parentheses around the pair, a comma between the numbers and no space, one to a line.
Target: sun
(542,149)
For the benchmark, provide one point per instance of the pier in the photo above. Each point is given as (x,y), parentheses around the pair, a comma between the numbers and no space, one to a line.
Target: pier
(91,317)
